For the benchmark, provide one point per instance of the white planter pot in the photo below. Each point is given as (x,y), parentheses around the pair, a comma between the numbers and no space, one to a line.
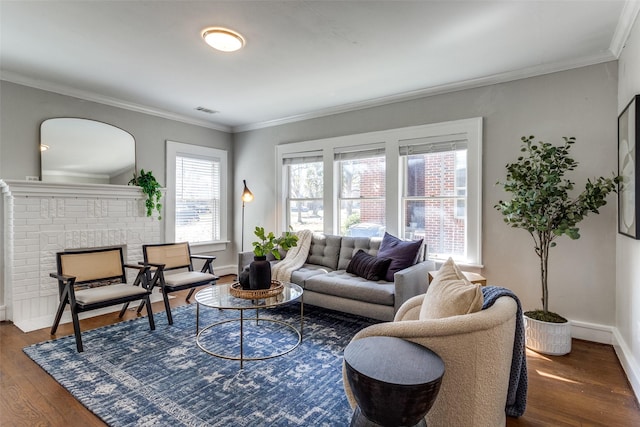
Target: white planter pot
(547,338)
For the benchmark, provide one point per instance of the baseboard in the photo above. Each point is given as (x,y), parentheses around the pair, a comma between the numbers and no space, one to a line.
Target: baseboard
(631,368)
(3,313)
(225,270)
(592,332)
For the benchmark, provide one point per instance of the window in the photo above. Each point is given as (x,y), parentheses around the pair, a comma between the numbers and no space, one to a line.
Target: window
(434,196)
(414,182)
(305,188)
(196,189)
(361,196)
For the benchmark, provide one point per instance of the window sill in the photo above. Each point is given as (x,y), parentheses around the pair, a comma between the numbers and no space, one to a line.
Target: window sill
(206,247)
(463,265)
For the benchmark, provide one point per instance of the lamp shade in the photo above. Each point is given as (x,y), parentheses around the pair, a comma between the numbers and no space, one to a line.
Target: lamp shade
(247,195)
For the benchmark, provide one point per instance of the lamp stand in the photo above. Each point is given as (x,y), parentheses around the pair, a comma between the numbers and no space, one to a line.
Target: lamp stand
(242,240)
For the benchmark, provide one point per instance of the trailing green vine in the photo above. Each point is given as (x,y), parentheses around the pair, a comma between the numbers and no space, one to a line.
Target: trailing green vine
(151,187)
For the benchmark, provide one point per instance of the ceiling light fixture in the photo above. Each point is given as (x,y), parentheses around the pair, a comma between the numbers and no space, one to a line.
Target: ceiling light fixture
(223,39)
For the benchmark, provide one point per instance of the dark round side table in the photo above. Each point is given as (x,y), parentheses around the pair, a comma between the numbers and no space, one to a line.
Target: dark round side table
(394,381)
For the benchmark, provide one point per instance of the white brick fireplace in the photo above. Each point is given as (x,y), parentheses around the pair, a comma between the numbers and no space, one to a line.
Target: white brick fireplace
(40,219)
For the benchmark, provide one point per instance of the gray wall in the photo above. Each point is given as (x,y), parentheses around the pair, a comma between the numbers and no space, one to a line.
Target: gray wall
(580,103)
(628,250)
(22,110)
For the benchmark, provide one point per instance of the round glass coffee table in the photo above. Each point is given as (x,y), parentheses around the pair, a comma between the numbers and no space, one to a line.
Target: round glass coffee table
(220,297)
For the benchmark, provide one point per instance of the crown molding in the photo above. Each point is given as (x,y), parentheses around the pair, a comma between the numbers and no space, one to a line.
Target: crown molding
(102,99)
(627,18)
(606,56)
(437,90)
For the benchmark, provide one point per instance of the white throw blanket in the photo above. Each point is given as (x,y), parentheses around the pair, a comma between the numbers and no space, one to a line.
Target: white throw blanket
(294,259)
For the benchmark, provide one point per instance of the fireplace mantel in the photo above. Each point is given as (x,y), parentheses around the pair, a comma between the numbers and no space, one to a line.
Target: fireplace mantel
(49,189)
(40,219)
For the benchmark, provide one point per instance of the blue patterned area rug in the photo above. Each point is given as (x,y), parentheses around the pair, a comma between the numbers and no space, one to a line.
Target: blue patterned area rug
(131,376)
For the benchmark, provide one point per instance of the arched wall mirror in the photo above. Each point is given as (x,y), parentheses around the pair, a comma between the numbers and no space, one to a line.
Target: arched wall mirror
(86,151)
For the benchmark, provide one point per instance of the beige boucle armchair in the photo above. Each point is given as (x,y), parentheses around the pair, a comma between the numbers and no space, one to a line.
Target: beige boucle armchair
(476,349)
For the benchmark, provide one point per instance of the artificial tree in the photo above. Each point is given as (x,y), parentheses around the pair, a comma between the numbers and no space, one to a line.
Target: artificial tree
(542,205)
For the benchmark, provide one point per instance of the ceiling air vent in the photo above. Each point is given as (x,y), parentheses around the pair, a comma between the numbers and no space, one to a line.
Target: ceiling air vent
(207,110)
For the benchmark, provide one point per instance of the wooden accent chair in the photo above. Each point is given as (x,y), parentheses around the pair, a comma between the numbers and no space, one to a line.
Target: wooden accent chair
(172,257)
(96,278)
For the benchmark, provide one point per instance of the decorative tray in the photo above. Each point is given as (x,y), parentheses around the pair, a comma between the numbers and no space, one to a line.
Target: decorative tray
(236,290)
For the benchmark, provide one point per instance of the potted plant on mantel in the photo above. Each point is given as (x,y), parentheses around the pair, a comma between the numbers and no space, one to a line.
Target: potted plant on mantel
(151,187)
(541,205)
(260,268)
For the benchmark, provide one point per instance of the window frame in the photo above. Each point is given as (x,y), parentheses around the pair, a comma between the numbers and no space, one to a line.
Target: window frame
(298,158)
(175,149)
(346,154)
(392,139)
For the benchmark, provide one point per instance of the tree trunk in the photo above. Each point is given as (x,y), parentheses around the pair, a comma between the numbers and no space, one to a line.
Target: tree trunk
(544,264)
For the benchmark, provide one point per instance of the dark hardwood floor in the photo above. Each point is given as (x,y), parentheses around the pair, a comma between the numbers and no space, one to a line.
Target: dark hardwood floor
(585,388)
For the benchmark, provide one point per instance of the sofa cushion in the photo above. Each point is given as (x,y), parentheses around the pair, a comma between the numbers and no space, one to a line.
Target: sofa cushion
(346,285)
(367,266)
(324,250)
(450,294)
(403,253)
(300,275)
(351,245)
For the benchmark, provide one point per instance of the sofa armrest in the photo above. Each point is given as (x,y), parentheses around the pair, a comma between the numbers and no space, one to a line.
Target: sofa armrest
(411,281)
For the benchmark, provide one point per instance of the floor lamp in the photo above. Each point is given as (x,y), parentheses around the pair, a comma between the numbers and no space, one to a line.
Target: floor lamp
(247,196)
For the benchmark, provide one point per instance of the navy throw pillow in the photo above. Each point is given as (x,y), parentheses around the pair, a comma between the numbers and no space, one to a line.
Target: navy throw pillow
(403,253)
(368,266)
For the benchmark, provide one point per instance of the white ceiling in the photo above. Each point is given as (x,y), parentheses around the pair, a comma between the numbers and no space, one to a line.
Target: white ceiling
(303,58)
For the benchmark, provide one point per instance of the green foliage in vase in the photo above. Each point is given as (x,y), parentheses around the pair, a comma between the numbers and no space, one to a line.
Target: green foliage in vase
(151,188)
(541,202)
(270,244)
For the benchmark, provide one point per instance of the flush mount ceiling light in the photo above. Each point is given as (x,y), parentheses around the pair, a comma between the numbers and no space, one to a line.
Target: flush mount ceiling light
(223,39)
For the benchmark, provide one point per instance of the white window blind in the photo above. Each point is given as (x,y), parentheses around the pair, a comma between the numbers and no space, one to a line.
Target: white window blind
(304,157)
(197,198)
(433,144)
(359,152)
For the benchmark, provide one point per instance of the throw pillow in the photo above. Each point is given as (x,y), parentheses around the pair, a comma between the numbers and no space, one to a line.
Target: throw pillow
(368,266)
(402,253)
(450,294)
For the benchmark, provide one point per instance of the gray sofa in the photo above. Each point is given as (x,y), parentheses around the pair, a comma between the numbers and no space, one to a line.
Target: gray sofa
(327,284)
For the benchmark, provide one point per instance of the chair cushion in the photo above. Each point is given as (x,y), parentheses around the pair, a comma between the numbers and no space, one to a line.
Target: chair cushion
(368,266)
(188,277)
(106,293)
(450,294)
(403,253)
